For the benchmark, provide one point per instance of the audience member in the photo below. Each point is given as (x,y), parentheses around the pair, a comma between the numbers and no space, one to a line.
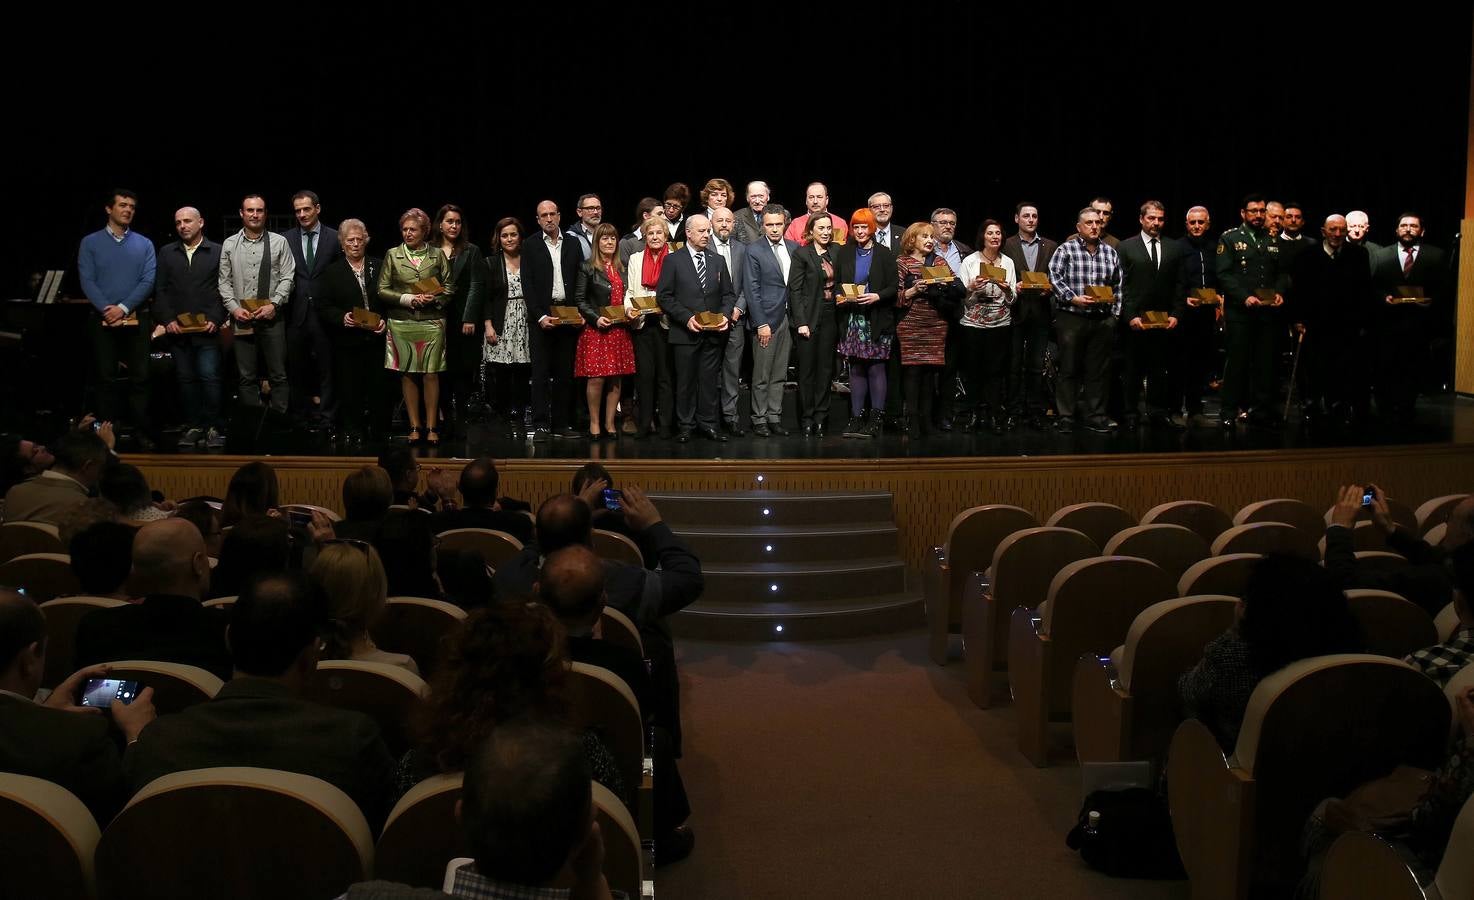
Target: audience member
(1291,609)
(259,717)
(58,740)
(83,516)
(80,458)
(406,544)
(172,573)
(259,545)
(252,492)
(350,576)
(589,484)
(1425,580)
(367,496)
(481,508)
(207,519)
(1442,662)
(127,489)
(102,558)
(404,474)
(465,579)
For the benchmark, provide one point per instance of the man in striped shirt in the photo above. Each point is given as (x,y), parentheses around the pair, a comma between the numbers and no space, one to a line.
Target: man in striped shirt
(1084,327)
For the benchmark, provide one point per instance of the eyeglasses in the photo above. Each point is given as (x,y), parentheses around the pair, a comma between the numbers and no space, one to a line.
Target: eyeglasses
(589,208)
(352,542)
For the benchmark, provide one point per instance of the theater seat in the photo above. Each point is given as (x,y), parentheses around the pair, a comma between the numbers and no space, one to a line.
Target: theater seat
(176,686)
(1225,575)
(972,538)
(49,839)
(1364,865)
(624,866)
(602,701)
(1126,705)
(235,833)
(63,615)
(1296,513)
(1390,624)
(1379,560)
(1206,519)
(421,834)
(1447,622)
(390,695)
(617,547)
(224,603)
(497,548)
(1266,538)
(22,538)
(1317,728)
(616,628)
(1098,521)
(416,627)
(1436,511)
(1172,547)
(1435,535)
(43,576)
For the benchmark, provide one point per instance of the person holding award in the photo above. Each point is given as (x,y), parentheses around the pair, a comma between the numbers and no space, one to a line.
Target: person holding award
(412,285)
(865,271)
(652,364)
(464,312)
(811,287)
(926,300)
(604,353)
(989,278)
(356,333)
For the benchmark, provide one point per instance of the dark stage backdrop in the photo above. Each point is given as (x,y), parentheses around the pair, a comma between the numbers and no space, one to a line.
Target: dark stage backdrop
(385,107)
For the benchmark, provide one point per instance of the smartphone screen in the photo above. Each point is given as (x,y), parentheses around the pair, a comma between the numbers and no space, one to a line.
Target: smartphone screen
(101,692)
(301,518)
(1368,498)
(612,498)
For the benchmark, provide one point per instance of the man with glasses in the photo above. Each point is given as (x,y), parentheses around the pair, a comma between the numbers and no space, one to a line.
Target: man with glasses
(816,199)
(674,203)
(884,209)
(590,213)
(944,229)
(1086,327)
(1252,280)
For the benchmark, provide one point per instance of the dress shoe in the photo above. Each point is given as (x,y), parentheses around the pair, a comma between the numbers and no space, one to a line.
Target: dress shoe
(1064,425)
(1175,422)
(540,435)
(761,430)
(778,429)
(944,425)
(1228,422)
(683,437)
(808,429)
(711,434)
(1099,426)
(191,437)
(733,428)
(675,846)
(569,434)
(820,428)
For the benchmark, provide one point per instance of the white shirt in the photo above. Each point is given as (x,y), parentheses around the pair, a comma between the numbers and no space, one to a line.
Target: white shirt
(1146,241)
(780,250)
(724,250)
(691,249)
(1409,255)
(555,249)
(883,237)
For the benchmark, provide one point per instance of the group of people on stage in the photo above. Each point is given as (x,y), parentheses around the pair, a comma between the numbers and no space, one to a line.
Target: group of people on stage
(673,309)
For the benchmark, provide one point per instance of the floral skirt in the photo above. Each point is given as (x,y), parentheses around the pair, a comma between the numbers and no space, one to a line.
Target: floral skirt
(415,346)
(859,343)
(602,354)
(511,345)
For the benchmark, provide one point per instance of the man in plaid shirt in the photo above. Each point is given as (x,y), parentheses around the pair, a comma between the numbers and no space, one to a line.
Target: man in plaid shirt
(1084,328)
(1441,662)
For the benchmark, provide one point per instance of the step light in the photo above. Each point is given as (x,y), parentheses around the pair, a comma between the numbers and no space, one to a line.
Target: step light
(767,511)
(760,479)
(778,628)
(769,548)
(773,588)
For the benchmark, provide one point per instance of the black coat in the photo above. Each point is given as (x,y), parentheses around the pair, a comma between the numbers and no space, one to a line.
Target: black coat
(881,313)
(468,301)
(1146,287)
(163,628)
(537,274)
(182,286)
(496,292)
(806,284)
(1331,295)
(339,293)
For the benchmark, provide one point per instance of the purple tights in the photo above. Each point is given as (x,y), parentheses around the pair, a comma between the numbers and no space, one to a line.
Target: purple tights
(867,378)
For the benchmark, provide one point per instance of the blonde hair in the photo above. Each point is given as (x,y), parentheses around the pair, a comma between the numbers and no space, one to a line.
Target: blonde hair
(351,578)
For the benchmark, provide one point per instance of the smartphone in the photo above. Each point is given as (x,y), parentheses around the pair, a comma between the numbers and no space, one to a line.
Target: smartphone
(300,518)
(1369,497)
(612,498)
(102,692)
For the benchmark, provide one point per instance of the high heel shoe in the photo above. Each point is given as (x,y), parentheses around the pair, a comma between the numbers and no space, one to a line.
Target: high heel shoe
(414,436)
(432,438)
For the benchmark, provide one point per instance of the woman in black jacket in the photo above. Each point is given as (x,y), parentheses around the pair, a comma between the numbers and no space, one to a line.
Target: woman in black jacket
(867,325)
(605,351)
(811,286)
(358,350)
(464,313)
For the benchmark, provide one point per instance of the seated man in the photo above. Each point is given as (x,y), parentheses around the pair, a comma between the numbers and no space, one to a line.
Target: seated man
(259,717)
(367,496)
(172,573)
(80,458)
(589,484)
(21,459)
(58,740)
(481,508)
(102,558)
(1442,662)
(1425,579)
(404,475)
(527,813)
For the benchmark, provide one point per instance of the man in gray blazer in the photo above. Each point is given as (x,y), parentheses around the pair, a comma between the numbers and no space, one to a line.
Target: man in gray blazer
(734,253)
(748,228)
(767,305)
(80,459)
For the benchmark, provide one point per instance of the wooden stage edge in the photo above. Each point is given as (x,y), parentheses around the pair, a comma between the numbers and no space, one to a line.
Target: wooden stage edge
(928,491)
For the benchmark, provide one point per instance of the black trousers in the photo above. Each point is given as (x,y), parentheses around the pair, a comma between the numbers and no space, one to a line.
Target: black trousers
(1033,319)
(1084,355)
(1252,339)
(894,401)
(310,366)
(363,404)
(509,387)
(652,377)
(552,351)
(698,371)
(1402,349)
(987,356)
(1197,353)
(126,348)
(462,365)
(1333,369)
(919,385)
(1151,356)
(816,366)
(947,378)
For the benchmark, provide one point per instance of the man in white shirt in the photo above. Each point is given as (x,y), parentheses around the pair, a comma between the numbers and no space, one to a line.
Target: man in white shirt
(734,253)
(766,293)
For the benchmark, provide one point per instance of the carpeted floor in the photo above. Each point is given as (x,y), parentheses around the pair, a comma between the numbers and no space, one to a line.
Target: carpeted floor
(859,769)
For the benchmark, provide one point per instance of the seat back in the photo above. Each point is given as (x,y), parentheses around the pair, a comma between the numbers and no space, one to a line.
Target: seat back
(1165,640)
(49,840)
(44,576)
(1364,865)
(176,686)
(22,538)
(973,539)
(1391,625)
(1023,566)
(63,615)
(616,628)
(623,860)
(388,694)
(1459,684)
(1435,535)
(417,627)
(1206,519)
(1447,622)
(1378,561)
(603,702)
(310,508)
(1455,876)
(1303,739)
(224,603)
(1285,510)
(1172,547)
(1098,521)
(496,547)
(235,833)
(1266,538)
(1218,575)
(617,547)
(1090,607)
(1436,511)
(421,834)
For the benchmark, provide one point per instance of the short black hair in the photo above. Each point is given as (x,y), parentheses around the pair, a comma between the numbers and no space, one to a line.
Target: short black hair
(1252,197)
(398,462)
(1409,214)
(592,471)
(526,800)
(1019,207)
(479,482)
(273,619)
(310,195)
(115,193)
(124,485)
(563,521)
(102,556)
(76,449)
(21,625)
(256,545)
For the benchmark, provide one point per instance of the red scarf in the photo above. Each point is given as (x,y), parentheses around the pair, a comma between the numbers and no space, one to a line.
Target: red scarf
(650,270)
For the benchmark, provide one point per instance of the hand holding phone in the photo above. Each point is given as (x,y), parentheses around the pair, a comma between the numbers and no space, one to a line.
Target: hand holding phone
(612,498)
(100,693)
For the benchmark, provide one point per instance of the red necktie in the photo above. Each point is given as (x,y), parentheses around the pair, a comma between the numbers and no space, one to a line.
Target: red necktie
(1407,264)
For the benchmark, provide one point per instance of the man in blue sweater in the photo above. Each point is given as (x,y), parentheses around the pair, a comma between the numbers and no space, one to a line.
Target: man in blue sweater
(117,267)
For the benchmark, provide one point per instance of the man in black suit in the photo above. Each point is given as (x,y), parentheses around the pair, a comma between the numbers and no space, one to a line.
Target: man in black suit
(188,281)
(172,571)
(1404,329)
(1150,267)
(1330,302)
(314,246)
(1197,328)
(259,717)
(734,253)
(694,280)
(478,487)
(1033,317)
(58,740)
(552,264)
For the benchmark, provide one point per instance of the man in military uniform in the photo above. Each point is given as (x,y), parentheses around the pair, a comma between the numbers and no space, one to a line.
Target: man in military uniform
(1252,282)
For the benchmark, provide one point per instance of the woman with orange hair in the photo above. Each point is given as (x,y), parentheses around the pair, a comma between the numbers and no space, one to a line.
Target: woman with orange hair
(867,324)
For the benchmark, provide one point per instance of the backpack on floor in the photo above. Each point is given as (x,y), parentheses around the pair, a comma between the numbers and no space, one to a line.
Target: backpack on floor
(1130,835)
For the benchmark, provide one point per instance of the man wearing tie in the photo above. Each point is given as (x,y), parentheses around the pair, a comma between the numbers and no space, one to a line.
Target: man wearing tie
(695,280)
(314,246)
(1149,271)
(734,256)
(886,236)
(766,275)
(1033,317)
(749,226)
(1404,328)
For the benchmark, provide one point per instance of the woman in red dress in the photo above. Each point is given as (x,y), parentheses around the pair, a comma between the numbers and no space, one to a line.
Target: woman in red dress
(605,352)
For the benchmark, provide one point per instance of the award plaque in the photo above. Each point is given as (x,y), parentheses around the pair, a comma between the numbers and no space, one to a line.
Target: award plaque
(192,323)
(566,315)
(614,314)
(849,293)
(1036,281)
(995,273)
(710,321)
(255,303)
(429,285)
(936,275)
(1101,294)
(1265,295)
(365,318)
(1408,294)
(1206,296)
(1154,318)
(646,304)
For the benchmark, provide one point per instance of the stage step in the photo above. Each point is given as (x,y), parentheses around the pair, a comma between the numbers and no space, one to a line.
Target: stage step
(819,580)
(749,508)
(805,620)
(790,543)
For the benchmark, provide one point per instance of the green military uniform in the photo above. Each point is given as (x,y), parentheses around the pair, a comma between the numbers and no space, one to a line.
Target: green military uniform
(1249,259)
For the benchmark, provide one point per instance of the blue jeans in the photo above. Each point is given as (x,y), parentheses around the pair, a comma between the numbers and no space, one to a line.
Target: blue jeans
(197,361)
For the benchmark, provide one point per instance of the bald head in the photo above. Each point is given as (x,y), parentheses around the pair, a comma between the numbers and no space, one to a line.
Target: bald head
(1358,224)
(188,223)
(1334,231)
(698,231)
(169,558)
(572,585)
(563,521)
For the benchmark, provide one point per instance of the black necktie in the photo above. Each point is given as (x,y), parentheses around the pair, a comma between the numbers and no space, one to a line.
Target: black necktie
(1156,262)
(311,247)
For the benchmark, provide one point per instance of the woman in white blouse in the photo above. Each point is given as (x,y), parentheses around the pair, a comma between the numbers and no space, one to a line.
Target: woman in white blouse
(987,328)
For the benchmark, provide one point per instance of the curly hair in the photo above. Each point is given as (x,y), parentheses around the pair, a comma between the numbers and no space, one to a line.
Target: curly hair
(504,660)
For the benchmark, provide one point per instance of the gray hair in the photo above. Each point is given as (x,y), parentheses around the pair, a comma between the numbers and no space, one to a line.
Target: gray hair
(941,210)
(761,184)
(348,225)
(877,195)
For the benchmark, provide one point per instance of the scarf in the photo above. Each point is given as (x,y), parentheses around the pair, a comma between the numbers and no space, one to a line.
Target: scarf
(650,271)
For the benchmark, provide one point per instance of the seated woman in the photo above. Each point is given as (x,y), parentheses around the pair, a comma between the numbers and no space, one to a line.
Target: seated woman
(505,660)
(1292,609)
(257,545)
(406,544)
(351,578)
(127,489)
(367,496)
(102,558)
(252,492)
(465,578)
